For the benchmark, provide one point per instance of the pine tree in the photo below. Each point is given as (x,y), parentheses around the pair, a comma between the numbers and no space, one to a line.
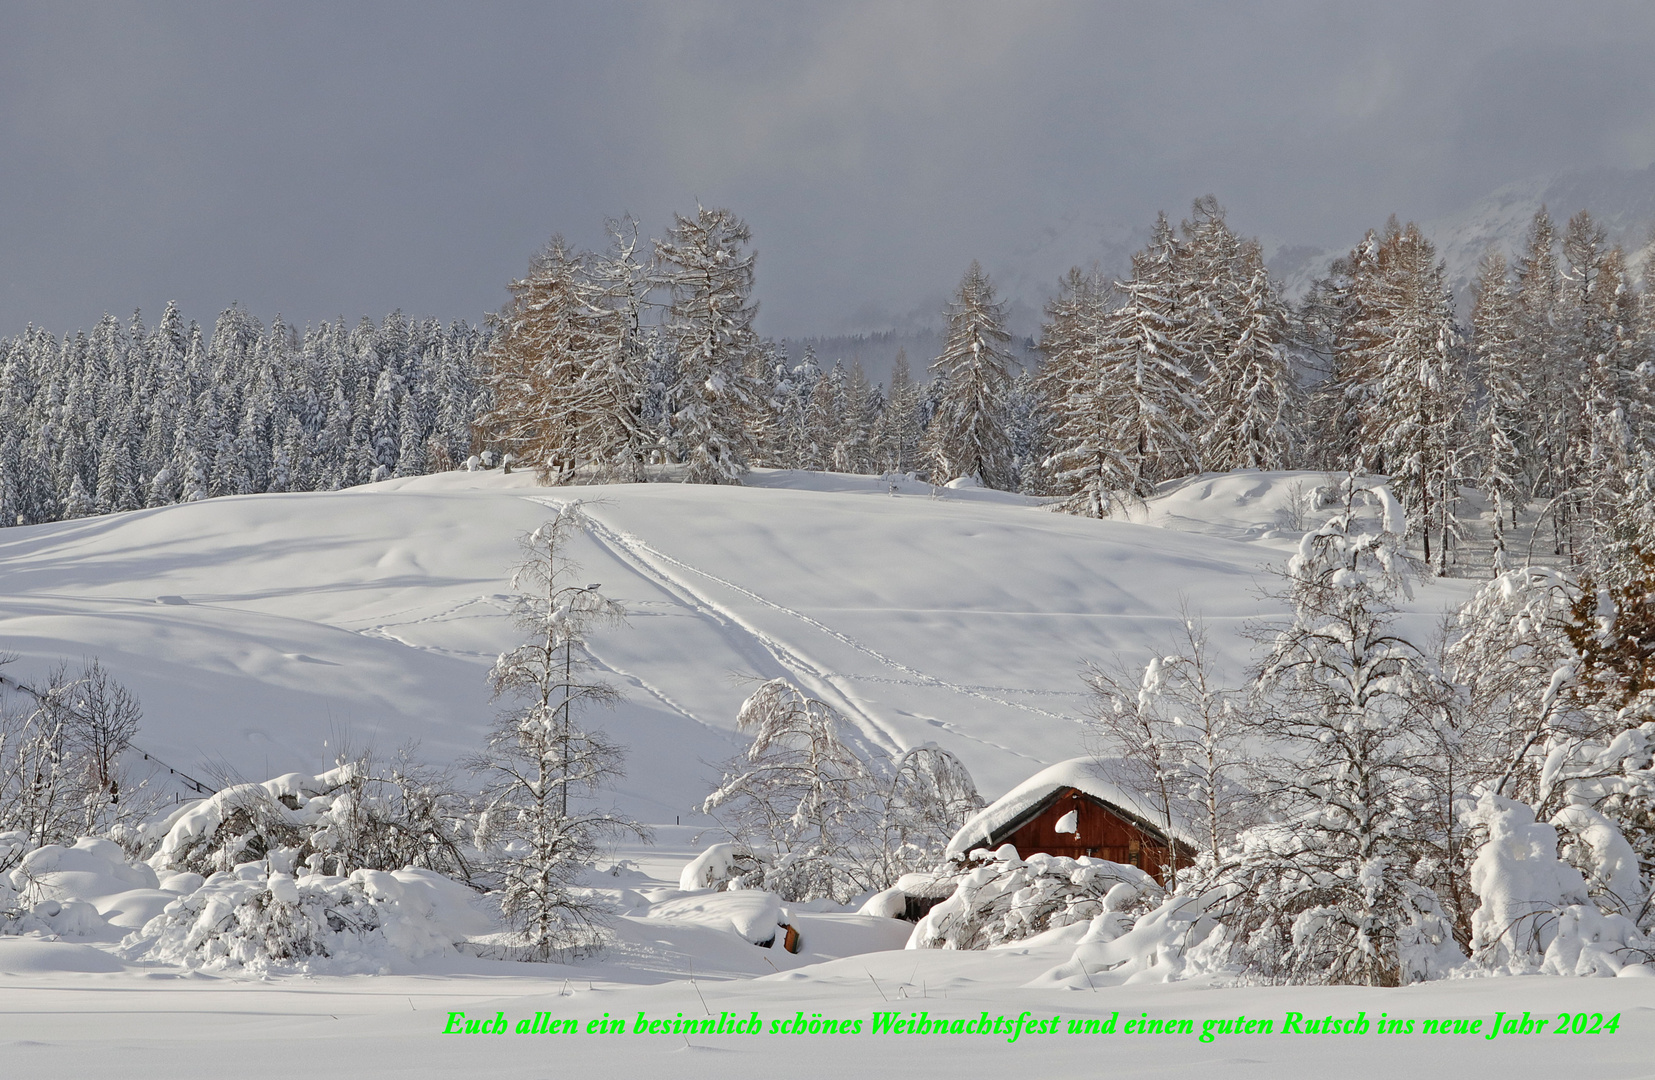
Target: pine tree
(969,434)
(709,273)
(1403,382)
(1086,464)
(535,363)
(1249,391)
(853,451)
(898,433)
(1545,368)
(1125,402)
(613,382)
(826,420)
(1500,427)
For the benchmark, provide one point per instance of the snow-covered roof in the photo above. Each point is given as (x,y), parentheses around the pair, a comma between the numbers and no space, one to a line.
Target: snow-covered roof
(1084,774)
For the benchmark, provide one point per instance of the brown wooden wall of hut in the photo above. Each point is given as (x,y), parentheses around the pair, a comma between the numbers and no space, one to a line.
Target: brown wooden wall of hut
(1103,835)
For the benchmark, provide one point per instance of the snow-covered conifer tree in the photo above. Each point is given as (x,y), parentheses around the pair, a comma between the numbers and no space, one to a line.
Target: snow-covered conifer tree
(1353,710)
(613,434)
(1125,400)
(825,419)
(1413,392)
(1501,432)
(544,765)
(1251,398)
(898,432)
(705,265)
(535,363)
(969,434)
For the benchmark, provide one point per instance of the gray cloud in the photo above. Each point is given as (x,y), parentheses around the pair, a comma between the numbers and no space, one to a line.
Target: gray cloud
(322,159)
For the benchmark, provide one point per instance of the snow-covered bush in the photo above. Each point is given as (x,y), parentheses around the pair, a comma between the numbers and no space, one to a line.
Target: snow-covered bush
(999,897)
(817,816)
(259,920)
(722,867)
(800,797)
(358,815)
(1178,939)
(1298,907)
(1536,913)
(61,742)
(1563,720)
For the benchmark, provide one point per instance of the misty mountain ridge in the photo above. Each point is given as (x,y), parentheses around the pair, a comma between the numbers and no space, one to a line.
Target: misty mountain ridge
(1620,200)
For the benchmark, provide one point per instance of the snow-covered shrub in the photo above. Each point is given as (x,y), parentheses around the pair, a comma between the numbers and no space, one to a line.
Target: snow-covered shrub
(259,920)
(999,897)
(1178,939)
(359,815)
(800,797)
(1296,911)
(819,817)
(61,742)
(721,867)
(1536,912)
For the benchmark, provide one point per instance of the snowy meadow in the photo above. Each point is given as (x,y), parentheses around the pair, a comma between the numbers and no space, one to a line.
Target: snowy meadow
(955,616)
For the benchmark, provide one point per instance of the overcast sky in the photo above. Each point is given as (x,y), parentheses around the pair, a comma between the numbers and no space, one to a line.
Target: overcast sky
(326,159)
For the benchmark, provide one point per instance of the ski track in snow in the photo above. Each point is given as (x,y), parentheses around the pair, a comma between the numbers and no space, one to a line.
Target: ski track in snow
(653,564)
(761,650)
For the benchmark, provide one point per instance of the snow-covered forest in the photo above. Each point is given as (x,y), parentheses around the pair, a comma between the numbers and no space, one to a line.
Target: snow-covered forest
(126,417)
(642,361)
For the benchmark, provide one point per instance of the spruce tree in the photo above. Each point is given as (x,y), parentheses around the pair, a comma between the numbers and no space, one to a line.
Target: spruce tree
(898,432)
(1412,428)
(1500,429)
(969,434)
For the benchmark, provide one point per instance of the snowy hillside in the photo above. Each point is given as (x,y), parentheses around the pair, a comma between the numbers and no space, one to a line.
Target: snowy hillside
(260,631)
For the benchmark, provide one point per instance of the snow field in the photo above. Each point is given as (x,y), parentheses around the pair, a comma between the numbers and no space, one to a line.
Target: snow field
(261,632)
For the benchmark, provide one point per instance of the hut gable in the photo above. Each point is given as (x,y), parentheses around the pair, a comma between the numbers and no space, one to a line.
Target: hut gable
(1109,822)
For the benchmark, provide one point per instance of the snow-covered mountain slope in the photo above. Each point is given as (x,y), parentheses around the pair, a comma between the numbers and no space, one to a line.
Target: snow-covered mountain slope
(260,631)
(1620,200)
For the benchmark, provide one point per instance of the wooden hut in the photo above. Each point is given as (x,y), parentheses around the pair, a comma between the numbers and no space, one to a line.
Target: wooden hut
(1072,809)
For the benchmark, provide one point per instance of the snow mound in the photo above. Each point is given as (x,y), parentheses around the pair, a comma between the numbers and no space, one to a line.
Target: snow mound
(712,868)
(32,956)
(1001,898)
(1176,940)
(750,914)
(88,890)
(251,919)
(1251,505)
